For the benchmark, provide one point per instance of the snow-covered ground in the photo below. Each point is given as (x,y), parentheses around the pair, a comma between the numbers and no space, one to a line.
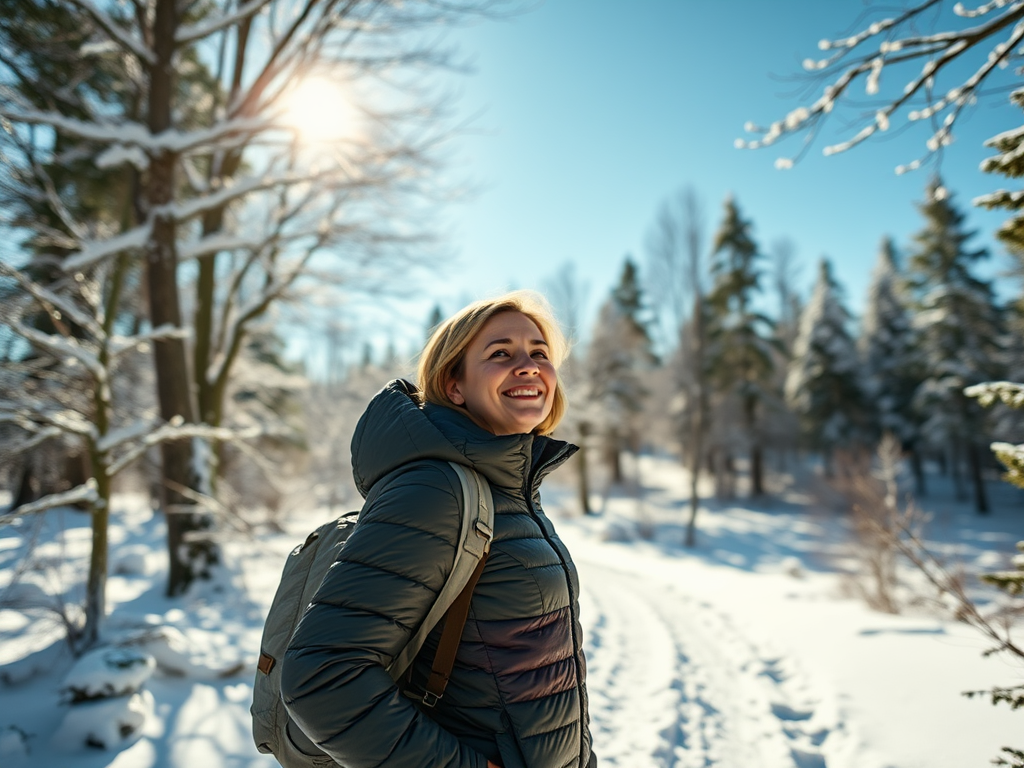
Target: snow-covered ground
(747,650)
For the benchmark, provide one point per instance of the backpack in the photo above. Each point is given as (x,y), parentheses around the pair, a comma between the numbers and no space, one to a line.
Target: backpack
(273,730)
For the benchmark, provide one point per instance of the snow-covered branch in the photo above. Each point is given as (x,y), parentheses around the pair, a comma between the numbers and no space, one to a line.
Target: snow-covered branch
(880,47)
(127,134)
(1008,392)
(199,205)
(216,243)
(36,437)
(115,438)
(192,32)
(83,493)
(63,347)
(54,304)
(97,250)
(118,33)
(119,345)
(31,418)
(177,431)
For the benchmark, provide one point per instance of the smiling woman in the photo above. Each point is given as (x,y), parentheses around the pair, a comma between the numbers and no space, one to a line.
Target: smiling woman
(516,696)
(319,109)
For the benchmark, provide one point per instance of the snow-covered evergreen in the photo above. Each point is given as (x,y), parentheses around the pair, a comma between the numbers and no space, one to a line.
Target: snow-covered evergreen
(620,355)
(822,384)
(957,324)
(740,342)
(887,351)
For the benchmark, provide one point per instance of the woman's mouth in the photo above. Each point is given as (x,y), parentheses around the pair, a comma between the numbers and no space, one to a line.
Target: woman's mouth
(522,392)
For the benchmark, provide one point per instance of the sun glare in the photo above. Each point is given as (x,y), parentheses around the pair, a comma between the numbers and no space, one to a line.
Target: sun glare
(320,111)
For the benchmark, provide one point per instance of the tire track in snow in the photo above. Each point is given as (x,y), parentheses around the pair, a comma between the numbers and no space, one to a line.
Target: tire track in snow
(673,684)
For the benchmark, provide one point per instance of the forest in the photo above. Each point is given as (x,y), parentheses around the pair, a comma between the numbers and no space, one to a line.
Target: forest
(168,226)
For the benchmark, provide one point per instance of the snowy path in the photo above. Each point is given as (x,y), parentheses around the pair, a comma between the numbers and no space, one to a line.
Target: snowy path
(674,684)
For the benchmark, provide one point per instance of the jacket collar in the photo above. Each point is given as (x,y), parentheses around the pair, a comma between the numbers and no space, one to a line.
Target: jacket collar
(395,430)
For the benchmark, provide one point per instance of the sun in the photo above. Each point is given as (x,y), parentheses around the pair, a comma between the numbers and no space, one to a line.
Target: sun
(319,110)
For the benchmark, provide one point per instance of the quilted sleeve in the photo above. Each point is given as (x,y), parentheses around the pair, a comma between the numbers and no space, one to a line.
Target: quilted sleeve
(334,680)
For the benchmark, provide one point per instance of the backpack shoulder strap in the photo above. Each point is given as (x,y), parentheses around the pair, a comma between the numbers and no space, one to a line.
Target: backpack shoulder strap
(475,532)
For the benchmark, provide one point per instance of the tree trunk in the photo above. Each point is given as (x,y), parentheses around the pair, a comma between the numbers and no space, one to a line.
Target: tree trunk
(96,585)
(756,456)
(917,466)
(584,481)
(28,485)
(698,426)
(613,457)
(696,450)
(756,471)
(189,547)
(980,497)
(956,471)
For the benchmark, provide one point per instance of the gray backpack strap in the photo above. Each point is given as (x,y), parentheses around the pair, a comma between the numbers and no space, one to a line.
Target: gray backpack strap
(475,533)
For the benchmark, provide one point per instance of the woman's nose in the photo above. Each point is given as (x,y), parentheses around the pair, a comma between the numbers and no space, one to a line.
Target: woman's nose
(526,364)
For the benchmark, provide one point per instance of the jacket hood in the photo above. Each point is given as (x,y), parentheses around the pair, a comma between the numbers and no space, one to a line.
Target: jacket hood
(395,430)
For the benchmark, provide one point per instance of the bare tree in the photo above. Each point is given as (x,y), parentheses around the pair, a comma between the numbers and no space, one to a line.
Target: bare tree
(676,247)
(82,398)
(785,271)
(567,292)
(225,186)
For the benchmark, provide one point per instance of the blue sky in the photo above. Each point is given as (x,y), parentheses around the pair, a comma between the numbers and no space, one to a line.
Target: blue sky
(594,111)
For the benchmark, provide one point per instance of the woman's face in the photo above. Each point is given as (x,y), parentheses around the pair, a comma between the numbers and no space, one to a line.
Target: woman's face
(507,383)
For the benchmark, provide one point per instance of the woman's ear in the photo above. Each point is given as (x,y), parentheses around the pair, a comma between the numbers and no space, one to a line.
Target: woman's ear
(452,390)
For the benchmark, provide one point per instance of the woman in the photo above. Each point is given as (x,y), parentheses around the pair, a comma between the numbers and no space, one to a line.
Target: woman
(517,695)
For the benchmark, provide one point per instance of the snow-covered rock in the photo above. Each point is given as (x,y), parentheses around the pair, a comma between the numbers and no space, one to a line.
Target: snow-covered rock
(107,672)
(133,561)
(619,530)
(109,723)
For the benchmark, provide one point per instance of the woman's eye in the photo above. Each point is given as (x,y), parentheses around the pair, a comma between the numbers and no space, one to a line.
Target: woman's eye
(499,352)
(541,354)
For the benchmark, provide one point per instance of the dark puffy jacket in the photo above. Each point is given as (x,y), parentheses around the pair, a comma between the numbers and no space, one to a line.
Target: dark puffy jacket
(517,695)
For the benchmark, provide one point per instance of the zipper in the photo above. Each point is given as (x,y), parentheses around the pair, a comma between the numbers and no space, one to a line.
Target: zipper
(577,641)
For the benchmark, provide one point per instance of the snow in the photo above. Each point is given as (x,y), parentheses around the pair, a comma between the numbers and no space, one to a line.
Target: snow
(128,41)
(97,250)
(119,155)
(108,673)
(188,33)
(105,724)
(82,493)
(746,650)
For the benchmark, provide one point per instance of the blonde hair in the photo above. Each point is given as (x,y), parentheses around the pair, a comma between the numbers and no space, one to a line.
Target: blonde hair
(445,352)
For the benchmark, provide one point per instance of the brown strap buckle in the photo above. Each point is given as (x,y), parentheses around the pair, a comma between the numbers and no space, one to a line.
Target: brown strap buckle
(266,663)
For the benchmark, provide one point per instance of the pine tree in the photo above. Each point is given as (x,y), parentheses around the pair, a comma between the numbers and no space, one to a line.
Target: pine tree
(958,328)
(822,383)
(740,339)
(621,352)
(890,361)
(1010,163)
